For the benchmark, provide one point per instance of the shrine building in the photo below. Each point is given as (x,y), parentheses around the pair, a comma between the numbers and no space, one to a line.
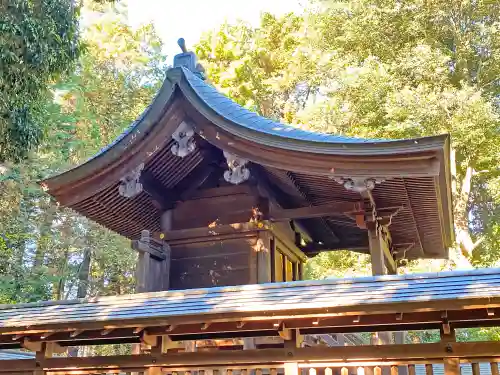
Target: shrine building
(224,207)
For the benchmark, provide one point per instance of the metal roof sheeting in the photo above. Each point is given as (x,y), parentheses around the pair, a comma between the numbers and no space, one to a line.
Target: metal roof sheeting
(265,298)
(15,354)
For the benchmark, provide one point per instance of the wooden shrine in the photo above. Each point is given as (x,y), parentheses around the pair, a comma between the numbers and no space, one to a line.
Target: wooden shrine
(212,194)
(224,207)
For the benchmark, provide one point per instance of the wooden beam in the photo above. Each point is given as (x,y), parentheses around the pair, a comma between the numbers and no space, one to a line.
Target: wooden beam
(394,354)
(155,190)
(376,252)
(149,245)
(338,208)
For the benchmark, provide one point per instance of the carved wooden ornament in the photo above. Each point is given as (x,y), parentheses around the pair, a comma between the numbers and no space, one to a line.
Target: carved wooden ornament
(358,184)
(238,172)
(129,184)
(184,140)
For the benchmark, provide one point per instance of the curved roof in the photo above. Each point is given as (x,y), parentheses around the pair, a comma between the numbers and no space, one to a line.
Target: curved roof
(297,161)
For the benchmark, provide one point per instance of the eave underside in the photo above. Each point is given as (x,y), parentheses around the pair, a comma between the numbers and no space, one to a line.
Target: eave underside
(414,198)
(298,171)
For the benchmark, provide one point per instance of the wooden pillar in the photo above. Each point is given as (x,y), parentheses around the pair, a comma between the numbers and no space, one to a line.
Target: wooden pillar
(376,252)
(451,366)
(45,350)
(264,273)
(291,368)
(378,268)
(166,225)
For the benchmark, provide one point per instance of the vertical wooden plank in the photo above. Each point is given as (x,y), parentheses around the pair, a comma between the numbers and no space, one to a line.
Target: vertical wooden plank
(142,272)
(249,343)
(475,369)
(400,338)
(190,346)
(429,370)
(494,368)
(328,371)
(376,253)
(153,371)
(272,253)
(377,370)
(291,368)
(264,258)
(344,371)
(394,370)
(360,371)
(166,223)
(411,370)
(274,371)
(312,371)
(301,270)
(258,371)
(451,366)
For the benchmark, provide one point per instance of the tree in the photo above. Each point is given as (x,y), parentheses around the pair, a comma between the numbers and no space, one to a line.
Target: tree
(49,252)
(376,68)
(38,42)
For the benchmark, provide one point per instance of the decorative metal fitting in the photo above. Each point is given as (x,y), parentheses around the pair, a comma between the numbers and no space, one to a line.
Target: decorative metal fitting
(238,172)
(129,184)
(358,184)
(184,140)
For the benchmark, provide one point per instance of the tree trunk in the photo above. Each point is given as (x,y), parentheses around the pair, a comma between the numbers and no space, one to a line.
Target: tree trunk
(45,231)
(83,274)
(465,244)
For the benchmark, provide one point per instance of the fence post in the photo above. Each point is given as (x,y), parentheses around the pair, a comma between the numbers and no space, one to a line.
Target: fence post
(291,368)
(451,366)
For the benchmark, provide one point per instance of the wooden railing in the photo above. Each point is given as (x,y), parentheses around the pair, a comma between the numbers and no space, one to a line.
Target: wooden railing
(456,367)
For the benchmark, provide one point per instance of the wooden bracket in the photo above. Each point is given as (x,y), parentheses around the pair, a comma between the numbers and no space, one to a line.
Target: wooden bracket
(33,346)
(167,344)
(148,244)
(285,333)
(106,332)
(76,333)
(151,340)
(48,348)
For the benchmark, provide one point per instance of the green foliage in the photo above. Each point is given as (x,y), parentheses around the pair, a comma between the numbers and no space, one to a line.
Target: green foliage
(38,42)
(46,251)
(373,68)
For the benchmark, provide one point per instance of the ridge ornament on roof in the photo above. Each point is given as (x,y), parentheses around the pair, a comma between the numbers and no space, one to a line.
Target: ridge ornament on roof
(188,60)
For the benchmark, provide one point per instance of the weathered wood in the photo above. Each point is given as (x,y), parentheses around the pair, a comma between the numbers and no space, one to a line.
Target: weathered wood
(337,208)
(291,368)
(263,249)
(475,369)
(165,267)
(212,263)
(493,367)
(153,371)
(220,210)
(393,354)
(376,253)
(215,232)
(149,245)
(451,366)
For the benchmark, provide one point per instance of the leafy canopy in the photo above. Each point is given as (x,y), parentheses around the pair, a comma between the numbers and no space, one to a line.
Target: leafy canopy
(38,42)
(383,69)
